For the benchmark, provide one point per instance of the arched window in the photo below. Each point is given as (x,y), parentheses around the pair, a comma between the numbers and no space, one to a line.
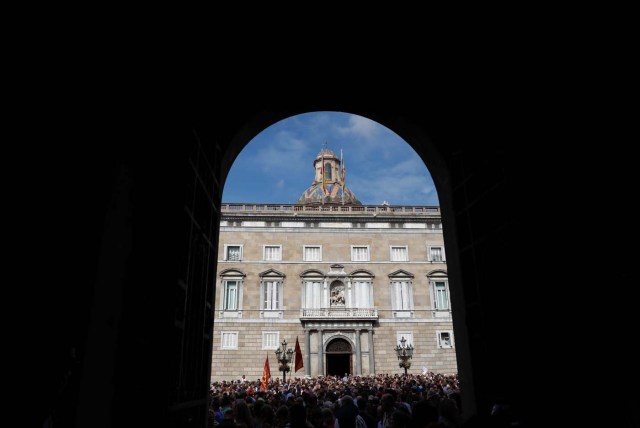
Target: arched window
(327,170)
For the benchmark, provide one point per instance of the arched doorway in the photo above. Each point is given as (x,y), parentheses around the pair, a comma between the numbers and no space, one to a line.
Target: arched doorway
(338,356)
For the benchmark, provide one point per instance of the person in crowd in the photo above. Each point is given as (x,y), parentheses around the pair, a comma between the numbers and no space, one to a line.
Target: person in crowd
(362,404)
(347,412)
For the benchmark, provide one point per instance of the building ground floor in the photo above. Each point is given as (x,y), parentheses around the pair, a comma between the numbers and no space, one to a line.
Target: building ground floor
(330,347)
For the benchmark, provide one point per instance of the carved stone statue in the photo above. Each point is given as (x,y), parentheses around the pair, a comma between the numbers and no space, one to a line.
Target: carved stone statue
(337,296)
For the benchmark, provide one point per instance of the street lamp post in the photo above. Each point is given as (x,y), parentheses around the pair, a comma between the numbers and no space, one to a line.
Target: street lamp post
(284,356)
(404,353)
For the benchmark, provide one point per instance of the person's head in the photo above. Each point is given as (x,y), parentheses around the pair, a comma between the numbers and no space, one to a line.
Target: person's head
(346,400)
(282,415)
(387,402)
(266,413)
(242,412)
(361,402)
(316,417)
(226,401)
(448,409)
(328,420)
(400,419)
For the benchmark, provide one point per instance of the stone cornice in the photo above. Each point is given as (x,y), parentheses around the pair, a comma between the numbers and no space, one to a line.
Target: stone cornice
(404,217)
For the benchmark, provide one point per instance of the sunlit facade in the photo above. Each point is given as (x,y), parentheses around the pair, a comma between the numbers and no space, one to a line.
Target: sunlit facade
(347,280)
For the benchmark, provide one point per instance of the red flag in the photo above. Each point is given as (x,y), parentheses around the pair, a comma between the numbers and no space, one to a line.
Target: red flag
(266,374)
(342,164)
(299,363)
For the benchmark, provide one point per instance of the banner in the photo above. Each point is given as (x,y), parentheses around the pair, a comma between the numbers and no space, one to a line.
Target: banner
(299,363)
(266,374)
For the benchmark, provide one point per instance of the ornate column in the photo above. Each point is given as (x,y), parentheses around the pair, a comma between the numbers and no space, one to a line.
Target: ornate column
(320,353)
(307,350)
(358,354)
(372,361)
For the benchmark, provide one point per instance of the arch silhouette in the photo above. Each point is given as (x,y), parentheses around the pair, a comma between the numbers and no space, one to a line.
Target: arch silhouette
(429,153)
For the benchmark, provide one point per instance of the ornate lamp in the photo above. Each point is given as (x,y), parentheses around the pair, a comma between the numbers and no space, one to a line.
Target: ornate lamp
(404,353)
(284,357)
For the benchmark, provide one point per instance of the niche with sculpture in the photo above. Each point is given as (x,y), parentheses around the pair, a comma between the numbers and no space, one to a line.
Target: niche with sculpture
(337,294)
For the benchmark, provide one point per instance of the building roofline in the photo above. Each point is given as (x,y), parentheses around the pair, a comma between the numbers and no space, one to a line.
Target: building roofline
(319,209)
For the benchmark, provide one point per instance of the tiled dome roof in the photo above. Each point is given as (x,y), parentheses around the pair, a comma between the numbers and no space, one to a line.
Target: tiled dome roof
(313,195)
(337,192)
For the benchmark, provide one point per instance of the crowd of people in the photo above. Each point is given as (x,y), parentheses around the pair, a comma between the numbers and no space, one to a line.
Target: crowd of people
(428,400)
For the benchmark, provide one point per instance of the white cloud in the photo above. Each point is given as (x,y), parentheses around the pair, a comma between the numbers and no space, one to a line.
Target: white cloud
(380,165)
(407,190)
(284,152)
(406,183)
(360,127)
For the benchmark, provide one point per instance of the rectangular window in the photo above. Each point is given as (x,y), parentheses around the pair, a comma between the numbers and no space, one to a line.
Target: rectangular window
(399,254)
(273,252)
(229,340)
(271,295)
(363,297)
(445,339)
(312,253)
(230,295)
(270,340)
(359,253)
(408,336)
(441,299)
(402,295)
(233,252)
(436,254)
(312,294)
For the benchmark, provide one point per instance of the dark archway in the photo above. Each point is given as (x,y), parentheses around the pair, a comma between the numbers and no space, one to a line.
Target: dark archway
(338,357)
(127,337)
(185,260)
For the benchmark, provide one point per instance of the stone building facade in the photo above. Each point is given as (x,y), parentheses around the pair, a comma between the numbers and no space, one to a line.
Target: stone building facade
(349,281)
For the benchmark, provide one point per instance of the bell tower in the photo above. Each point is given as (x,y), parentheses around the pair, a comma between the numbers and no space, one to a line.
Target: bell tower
(328,185)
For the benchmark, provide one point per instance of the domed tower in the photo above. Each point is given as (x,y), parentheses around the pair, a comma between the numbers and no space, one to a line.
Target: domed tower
(331,189)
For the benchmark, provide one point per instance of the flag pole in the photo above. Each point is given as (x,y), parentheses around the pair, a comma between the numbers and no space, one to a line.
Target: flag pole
(342,175)
(324,191)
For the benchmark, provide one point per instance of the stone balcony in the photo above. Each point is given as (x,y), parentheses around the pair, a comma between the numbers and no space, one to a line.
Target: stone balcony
(353,209)
(350,314)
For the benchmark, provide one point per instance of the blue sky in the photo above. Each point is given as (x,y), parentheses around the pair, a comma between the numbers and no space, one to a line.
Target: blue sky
(277,165)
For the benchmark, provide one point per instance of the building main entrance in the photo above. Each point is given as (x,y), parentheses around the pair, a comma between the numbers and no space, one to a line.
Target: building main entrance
(338,355)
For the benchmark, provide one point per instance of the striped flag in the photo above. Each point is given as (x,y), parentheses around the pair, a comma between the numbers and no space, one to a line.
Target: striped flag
(299,362)
(342,174)
(266,374)
(324,180)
